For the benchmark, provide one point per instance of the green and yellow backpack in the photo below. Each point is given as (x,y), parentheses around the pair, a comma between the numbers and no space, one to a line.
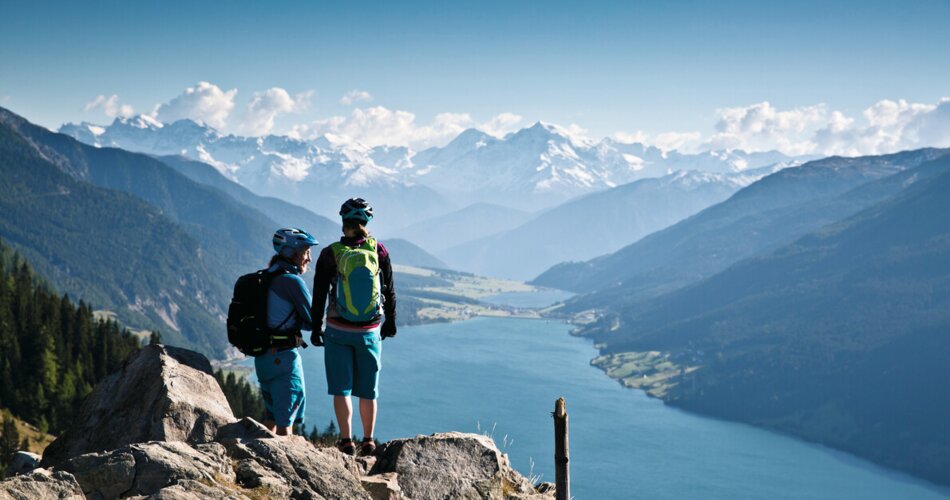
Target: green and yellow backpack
(358,297)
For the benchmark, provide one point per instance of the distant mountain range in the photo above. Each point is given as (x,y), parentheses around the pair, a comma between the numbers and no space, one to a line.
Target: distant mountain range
(773,211)
(534,168)
(594,224)
(815,302)
(411,255)
(157,240)
(466,224)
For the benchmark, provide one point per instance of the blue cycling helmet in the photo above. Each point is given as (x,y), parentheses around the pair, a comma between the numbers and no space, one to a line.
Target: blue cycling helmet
(356,209)
(290,239)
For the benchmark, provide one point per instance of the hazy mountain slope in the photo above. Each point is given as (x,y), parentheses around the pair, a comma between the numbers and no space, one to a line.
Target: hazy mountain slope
(773,211)
(406,253)
(592,225)
(283,213)
(842,337)
(107,247)
(472,222)
(235,235)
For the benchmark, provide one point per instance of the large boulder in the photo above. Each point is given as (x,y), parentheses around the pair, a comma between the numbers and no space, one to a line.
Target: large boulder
(41,483)
(161,393)
(293,468)
(452,465)
(146,468)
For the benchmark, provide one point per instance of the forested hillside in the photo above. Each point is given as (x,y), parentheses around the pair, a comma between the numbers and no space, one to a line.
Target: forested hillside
(52,350)
(110,248)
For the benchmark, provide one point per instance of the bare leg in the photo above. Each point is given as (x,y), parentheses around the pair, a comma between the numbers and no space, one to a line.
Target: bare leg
(344,412)
(271,425)
(285,431)
(368,416)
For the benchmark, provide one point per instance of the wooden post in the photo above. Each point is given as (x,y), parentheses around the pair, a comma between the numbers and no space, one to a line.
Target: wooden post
(562,469)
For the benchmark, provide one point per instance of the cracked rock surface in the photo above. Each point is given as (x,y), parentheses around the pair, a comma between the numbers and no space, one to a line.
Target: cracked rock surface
(41,483)
(452,465)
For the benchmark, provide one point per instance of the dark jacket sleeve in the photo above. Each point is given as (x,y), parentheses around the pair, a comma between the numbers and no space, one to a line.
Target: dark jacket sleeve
(322,277)
(387,284)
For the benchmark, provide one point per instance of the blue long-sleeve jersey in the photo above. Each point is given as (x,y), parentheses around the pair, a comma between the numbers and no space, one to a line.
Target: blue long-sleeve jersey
(288,299)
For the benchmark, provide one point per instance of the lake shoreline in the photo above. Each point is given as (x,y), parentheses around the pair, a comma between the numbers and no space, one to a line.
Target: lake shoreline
(656,387)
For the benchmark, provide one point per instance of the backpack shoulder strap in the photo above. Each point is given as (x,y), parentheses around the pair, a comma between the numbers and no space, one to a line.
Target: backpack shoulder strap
(371,244)
(337,248)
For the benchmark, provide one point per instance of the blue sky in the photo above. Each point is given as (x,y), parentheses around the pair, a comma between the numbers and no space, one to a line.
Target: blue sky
(607,67)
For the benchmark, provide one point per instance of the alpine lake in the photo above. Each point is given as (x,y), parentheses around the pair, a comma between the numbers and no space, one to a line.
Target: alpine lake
(501,377)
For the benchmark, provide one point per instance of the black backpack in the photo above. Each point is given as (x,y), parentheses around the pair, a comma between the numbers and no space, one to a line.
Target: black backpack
(247,316)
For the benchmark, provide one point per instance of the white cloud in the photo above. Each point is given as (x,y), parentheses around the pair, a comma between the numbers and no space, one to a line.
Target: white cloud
(666,141)
(354,96)
(639,136)
(501,124)
(576,133)
(110,106)
(265,106)
(761,127)
(933,127)
(887,126)
(379,125)
(204,102)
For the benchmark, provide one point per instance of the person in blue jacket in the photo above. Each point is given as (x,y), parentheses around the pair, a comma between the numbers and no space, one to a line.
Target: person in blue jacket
(279,369)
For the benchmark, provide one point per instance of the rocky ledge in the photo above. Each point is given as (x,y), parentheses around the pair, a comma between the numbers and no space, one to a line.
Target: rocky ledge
(160,428)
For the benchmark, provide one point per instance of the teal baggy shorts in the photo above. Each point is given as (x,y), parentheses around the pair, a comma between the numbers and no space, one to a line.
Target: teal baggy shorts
(352,360)
(281,377)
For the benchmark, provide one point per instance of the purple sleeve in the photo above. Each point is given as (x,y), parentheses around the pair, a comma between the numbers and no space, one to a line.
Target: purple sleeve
(388,286)
(323,275)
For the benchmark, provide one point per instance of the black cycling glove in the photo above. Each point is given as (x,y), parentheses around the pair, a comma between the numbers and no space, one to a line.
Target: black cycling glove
(388,329)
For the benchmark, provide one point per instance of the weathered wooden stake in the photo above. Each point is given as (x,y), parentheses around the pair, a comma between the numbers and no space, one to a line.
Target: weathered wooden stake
(562,469)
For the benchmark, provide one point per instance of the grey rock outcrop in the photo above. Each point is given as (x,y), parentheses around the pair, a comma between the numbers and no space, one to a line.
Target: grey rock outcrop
(22,462)
(294,463)
(161,393)
(452,465)
(160,428)
(383,486)
(41,483)
(146,468)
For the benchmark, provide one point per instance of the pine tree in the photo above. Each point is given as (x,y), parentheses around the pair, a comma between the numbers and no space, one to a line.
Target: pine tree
(9,440)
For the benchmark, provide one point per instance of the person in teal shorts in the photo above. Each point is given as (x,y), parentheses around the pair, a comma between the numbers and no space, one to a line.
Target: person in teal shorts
(279,369)
(356,275)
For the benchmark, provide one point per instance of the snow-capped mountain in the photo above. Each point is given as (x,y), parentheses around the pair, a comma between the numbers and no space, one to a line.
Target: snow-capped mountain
(534,168)
(317,174)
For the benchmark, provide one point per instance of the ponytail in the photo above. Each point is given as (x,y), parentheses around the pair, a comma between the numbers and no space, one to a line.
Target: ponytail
(356,228)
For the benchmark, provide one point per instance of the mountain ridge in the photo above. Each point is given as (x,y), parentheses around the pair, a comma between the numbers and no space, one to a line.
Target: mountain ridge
(530,169)
(728,231)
